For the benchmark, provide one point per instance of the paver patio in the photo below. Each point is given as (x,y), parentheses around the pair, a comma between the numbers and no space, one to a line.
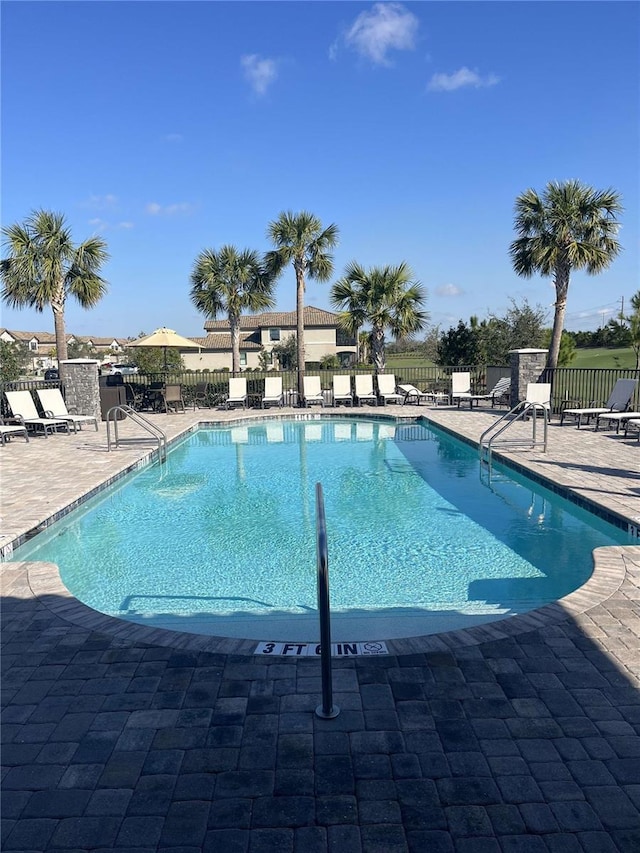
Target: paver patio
(521,740)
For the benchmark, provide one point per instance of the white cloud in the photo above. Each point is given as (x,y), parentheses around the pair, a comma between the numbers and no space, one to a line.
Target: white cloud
(459,79)
(100,202)
(260,72)
(155,209)
(449,290)
(103,225)
(387,26)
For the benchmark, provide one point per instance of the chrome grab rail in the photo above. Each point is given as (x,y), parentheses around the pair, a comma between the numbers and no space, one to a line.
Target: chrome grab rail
(519,412)
(327,710)
(155,433)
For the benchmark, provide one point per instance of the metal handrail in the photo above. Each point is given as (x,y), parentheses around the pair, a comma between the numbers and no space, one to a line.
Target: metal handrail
(519,412)
(327,710)
(155,433)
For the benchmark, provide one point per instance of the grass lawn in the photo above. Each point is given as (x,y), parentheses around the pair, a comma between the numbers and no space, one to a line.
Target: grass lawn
(596,357)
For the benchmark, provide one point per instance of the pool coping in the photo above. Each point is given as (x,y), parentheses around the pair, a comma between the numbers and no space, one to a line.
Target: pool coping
(609,571)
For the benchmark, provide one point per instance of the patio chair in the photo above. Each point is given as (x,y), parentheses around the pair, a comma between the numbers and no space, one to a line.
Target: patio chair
(460,387)
(172,398)
(618,401)
(201,396)
(9,430)
(617,418)
(387,389)
(539,393)
(411,394)
(24,410)
(312,391)
(342,389)
(54,406)
(273,391)
(364,389)
(237,395)
(500,392)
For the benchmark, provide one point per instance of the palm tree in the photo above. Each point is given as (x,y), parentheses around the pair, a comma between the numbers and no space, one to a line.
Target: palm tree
(301,240)
(43,267)
(231,281)
(571,226)
(385,297)
(634,327)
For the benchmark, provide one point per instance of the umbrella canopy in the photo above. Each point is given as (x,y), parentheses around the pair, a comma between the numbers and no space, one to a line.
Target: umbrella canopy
(165,338)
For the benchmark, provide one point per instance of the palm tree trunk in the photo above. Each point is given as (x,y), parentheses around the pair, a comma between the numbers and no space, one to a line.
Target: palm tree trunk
(377,349)
(57,306)
(562,288)
(300,326)
(234,326)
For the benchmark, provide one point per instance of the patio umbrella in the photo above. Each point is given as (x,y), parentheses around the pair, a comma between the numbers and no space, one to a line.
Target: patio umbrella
(165,338)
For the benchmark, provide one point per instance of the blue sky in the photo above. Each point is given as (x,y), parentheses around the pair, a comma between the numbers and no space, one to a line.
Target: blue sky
(171,127)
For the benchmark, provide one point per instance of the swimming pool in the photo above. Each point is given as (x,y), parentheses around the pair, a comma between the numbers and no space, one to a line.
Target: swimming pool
(221,540)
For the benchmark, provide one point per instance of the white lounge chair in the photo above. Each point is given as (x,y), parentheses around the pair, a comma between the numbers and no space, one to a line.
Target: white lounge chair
(411,394)
(618,401)
(387,389)
(501,391)
(342,389)
(617,418)
(460,387)
(312,391)
(273,392)
(8,430)
(24,409)
(364,389)
(237,395)
(539,395)
(54,406)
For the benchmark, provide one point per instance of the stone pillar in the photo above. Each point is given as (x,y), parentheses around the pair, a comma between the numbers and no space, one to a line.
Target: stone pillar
(82,391)
(527,365)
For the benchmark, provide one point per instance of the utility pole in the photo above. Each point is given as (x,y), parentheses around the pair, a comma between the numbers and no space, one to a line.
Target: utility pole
(622,309)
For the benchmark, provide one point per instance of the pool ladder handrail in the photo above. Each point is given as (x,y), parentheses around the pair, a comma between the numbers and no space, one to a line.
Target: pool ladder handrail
(519,412)
(155,433)
(327,710)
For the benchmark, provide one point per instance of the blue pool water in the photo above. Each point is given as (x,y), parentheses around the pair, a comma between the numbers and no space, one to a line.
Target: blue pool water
(415,534)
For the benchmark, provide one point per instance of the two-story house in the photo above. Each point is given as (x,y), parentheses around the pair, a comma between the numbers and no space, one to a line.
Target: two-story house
(262,332)
(42,345)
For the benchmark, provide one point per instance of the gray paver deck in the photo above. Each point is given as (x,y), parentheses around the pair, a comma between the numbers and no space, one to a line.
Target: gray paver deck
(522,736)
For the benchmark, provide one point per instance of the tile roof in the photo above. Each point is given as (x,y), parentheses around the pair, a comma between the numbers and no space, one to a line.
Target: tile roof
(312,317)
(222,341)
(50,338)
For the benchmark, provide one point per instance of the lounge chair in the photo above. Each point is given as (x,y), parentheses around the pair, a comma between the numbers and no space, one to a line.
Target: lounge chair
(342,389)
(411,394)
(617,418)
(24,410)
(273,392)
(618,401)
(8,430)
(312,392)
(237,395)
(460,387)
(500,392)
(172,398)
(387,389)
(539,394)
(364,389)
(54,406)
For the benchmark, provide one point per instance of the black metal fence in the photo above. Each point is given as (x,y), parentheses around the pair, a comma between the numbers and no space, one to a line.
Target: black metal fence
(586,386)
(570,385)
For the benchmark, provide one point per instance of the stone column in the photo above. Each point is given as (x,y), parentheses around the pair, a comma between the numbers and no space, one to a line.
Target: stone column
(82,391)
(527,365)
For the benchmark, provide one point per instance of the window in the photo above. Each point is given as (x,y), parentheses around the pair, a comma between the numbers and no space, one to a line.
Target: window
(274,334)
(243,359)
(33,346)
